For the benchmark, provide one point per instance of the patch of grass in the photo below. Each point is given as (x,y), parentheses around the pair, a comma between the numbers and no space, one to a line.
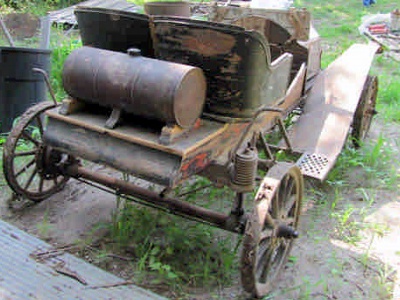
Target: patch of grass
(3,138)
(44,227)
(347,228)
(202,192)
(385,283)
(388,104)
(373,161)
(172,250)
(2,180)
(34,7)
(306,289)
(349,219)
(338,26)
(62,47)
(374,164)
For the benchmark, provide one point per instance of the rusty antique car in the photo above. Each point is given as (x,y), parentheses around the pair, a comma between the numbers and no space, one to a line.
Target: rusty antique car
(164,98)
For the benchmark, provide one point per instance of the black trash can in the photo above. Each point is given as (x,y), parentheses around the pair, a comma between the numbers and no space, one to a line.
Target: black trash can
(20,87)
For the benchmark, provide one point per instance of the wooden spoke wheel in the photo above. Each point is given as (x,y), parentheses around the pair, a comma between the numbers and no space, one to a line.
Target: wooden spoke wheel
(271,228)
(365,111)
(29,165)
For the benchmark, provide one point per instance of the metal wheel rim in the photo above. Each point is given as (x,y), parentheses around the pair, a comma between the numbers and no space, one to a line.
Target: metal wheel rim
(264,255)
(36,187)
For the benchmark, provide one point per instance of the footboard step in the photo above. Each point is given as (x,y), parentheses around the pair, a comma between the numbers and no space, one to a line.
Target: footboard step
(323,128)
(314,165)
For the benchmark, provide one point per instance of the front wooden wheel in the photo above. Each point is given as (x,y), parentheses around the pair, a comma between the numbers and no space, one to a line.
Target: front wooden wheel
(27,161)
(271,228)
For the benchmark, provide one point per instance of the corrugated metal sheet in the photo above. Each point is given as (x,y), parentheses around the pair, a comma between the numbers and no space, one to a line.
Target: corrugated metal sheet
(66,15)
(24,276)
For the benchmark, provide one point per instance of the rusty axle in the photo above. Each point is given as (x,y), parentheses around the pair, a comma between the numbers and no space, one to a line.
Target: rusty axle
(172,205)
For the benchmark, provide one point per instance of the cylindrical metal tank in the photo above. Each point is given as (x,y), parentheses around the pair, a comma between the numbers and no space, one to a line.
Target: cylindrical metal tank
(155,89)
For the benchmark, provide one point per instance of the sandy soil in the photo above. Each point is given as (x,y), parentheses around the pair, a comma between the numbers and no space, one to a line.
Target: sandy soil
(323,264)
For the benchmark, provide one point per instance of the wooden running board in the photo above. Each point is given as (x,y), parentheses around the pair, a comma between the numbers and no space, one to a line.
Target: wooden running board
(322,129)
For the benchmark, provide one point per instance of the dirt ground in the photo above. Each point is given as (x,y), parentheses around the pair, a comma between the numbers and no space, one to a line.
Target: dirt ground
(323,264)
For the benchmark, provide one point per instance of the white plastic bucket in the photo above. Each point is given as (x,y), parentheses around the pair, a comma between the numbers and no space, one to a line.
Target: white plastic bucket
(271,4)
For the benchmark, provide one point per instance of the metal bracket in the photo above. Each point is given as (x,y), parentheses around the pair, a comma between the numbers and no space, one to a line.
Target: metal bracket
(114,118)
(266,147)
(284,133)
(171,132)
(250,125)
(69,106)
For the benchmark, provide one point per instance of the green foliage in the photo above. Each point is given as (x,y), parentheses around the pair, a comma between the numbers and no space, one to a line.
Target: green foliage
(338,26)
(374,164)
(44,228)
(389,97)
(347,228)
(36,7)
(61,50)
(3,138)
(374,160)
(2,141)
(172,249)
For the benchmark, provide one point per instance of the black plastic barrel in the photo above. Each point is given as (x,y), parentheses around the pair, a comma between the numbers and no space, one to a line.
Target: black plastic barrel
(20,87)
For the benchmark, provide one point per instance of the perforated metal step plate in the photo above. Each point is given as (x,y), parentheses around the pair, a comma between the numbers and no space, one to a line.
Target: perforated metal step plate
(314,165)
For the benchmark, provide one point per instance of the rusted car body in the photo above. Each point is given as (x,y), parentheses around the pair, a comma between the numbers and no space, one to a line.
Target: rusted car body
(165,98)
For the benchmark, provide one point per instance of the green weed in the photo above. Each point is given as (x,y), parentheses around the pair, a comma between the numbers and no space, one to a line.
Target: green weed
(350,221)
(44,227)
(374,161)
(389,99)
(34,7)
(174,250)
(308,286)
(3,138)
(347,227)
(337,24)
(61,50)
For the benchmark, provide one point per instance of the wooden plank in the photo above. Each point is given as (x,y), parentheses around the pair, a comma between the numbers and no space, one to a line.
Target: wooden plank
(66,15)
(26,275)
(146,137)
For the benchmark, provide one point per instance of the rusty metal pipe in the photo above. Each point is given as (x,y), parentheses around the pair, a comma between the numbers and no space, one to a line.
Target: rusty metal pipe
(48,84)
(174,205)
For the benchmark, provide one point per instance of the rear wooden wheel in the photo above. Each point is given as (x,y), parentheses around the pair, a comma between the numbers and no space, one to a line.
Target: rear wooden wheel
(271,228)
(28,164)
(365,111)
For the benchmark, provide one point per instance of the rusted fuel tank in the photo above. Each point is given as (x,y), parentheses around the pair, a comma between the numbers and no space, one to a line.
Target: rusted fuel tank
(158,90)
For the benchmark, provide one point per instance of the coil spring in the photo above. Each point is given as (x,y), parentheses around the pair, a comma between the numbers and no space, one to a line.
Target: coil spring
(245,168)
